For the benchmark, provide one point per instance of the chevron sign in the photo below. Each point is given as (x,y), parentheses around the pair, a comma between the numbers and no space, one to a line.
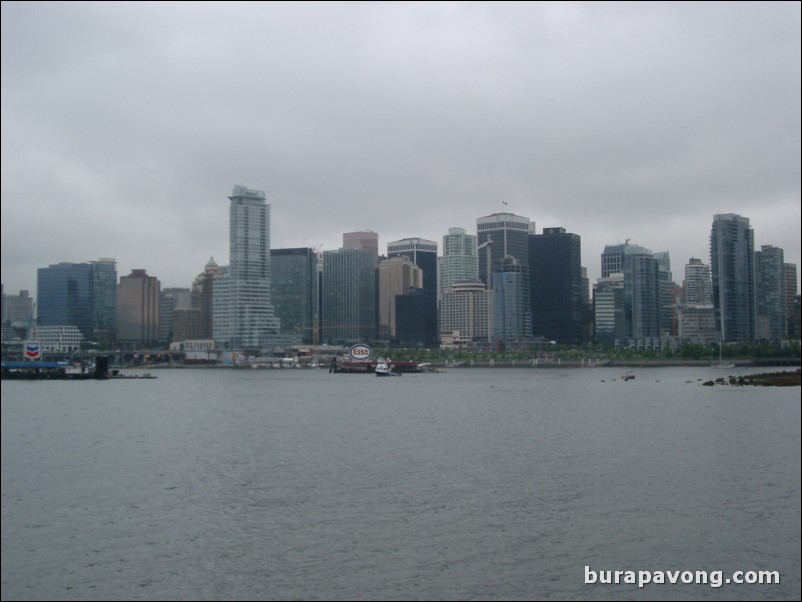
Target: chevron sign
(32,350)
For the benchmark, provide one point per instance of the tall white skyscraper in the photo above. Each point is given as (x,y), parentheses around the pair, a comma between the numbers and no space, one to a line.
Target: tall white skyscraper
(252,320)
(460,261)
(698,284)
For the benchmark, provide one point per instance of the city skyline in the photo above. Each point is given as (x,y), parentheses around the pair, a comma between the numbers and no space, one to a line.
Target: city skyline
(125,127)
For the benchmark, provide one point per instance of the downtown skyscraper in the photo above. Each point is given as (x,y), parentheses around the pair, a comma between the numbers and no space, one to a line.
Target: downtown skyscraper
(641,300)
(79,294)
(65,296)
(460,261)
(348,297)
(249,320)
(770,310)
(500,235)
(138,308)
(294,280)
(555,268)
(423,253)
(732,265)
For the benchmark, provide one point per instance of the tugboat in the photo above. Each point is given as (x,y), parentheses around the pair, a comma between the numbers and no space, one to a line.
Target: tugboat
(383,368)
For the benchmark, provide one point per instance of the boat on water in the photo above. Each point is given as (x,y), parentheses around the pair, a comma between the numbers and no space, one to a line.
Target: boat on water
(628,376)
(720,363)
(383,369)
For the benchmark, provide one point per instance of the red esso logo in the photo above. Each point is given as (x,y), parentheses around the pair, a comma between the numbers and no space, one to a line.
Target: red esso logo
(359,352)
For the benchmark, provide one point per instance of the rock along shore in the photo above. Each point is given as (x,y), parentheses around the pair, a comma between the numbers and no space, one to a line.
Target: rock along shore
(767,379)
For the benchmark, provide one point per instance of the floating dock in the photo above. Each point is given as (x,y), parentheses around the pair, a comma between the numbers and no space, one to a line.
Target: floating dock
(54,370)
(369,367)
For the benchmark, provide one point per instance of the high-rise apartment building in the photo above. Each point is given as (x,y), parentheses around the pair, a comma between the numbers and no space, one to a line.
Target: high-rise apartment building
(697,323)
(608,307)
(792,327)
(695,315)
(732,266)
(559,293)
(770,292)
(252,320)
(222,307)
(697,286)
(667,292)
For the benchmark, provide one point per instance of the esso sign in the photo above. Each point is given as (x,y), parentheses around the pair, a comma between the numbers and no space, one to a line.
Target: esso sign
(360,352)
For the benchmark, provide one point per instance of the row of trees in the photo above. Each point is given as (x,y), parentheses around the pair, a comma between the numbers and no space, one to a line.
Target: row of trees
(604,352)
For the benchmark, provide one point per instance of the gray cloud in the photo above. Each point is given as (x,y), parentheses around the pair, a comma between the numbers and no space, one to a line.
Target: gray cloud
(126,125)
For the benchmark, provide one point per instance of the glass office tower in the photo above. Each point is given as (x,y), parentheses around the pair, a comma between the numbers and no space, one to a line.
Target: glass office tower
(732,266)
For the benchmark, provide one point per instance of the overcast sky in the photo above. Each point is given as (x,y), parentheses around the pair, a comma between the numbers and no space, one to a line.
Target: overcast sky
(125,126)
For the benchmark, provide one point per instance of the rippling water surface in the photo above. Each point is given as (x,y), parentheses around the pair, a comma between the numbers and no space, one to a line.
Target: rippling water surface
(473,484)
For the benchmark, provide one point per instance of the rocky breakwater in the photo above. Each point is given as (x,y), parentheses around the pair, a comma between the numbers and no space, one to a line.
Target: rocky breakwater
(767,379)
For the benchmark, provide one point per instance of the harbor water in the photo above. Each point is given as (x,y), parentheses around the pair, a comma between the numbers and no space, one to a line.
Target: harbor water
(470,484)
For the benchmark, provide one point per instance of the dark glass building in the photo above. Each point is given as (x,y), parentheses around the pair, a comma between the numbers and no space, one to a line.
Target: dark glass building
(512,317)
(558,298)
(65,297)
(771,322)
(416,318)
(349,296)
(423,253)
(104,281)
(295,292)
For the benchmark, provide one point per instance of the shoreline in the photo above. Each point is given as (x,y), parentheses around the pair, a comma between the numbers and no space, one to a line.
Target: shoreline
(785,378)
(527,363)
